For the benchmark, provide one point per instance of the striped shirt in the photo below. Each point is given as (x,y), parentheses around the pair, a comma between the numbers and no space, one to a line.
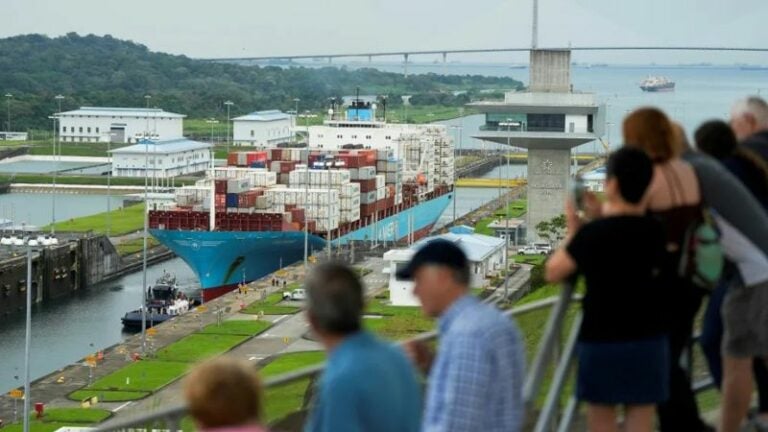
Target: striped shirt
(476,382)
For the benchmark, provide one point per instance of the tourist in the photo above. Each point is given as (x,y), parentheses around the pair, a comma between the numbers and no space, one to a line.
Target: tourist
(749,120)
(476,378)
(225,394)
(623,350)
(717,139)
(674,198)
(368,384)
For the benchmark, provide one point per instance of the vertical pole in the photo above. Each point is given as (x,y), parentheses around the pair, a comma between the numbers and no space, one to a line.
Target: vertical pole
(144,237)
(109,186)
(405,65)
(306,206)
(28,339)
(53,192)
(506,228)
(535,25)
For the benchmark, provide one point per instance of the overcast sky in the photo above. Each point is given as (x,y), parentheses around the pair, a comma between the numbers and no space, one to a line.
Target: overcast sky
(281,27)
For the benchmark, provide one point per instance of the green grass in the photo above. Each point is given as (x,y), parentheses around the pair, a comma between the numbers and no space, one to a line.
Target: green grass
(531,259)
(425,113)
(396,322)
(135,245)
(293,361)
(517,208)
(74,415)
(197,347)
(145,375)
(123,221)
(283,400)
(238,327)
(56,418)
(107,396)
(270,305)
(74,180)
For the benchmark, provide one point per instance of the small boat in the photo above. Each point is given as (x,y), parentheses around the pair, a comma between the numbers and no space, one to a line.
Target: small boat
(164,301)
(657,84)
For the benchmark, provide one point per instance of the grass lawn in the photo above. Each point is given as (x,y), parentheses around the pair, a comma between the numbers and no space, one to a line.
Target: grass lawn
(283,400)
(517,208)
(197,347)
(124,220)
(107,396)
(136,245)
(144,375)
(56,418)
(531,259)
(396,322)
(238,327)
(270,305)
(74,415)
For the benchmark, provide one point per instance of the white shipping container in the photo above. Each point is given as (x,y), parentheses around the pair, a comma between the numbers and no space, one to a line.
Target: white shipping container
(238,185)
(350,202)
(350,190)
(353,174)
(381,181)
(392,177)
(392,166)
(366,173)
(381,193)
(262,178)
(381,166)
(350,215)
(368,197)
(382,155)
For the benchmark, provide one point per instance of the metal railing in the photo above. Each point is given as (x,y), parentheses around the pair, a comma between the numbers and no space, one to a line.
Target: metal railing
(552,356)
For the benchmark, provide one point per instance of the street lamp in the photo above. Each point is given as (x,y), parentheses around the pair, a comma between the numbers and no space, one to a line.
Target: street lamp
(56,144)
(229,105)
(110,135)
(8,97)
(459,130)
(295,117)
(30,244)
(509,123)
(144,236)
(212,122)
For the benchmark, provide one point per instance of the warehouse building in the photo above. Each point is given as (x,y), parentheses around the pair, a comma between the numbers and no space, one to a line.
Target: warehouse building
(118,125)
(167,158)
(262,129)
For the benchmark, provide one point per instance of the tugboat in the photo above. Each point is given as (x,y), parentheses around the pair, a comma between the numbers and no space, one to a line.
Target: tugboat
(164,301)
(657,84)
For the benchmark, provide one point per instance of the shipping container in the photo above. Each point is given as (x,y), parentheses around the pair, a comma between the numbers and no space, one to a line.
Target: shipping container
(381,193)
(367,197)
(232,200)
(366,173)
(220,186)
(238,185)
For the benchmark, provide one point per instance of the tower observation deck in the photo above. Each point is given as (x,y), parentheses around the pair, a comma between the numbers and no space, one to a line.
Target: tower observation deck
(548,119)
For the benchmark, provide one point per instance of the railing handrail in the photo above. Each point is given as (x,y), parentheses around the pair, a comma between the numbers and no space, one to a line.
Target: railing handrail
(180,410)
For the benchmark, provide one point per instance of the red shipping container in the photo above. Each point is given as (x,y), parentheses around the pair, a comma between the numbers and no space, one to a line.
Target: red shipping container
(275,154)
(220,186)
(366,185)
(232,159)
(220,200)
(246,200)
(287,166)
(259,156)
(297,215)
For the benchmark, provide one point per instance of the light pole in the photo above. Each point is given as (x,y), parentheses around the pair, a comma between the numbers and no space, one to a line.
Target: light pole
(30,244)
(56,144)
(458,130)
(295,118)
(144,236)
(212,121)
(8,97)
(109,183)
(509,123)
(229,104)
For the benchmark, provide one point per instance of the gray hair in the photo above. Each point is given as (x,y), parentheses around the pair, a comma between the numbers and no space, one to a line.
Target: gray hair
(335,298)
(753,106)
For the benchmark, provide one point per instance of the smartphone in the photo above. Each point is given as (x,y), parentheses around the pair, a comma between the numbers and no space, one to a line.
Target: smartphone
(578,190)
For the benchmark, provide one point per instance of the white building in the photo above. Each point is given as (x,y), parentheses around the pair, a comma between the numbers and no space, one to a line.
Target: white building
(167,158)
(485,255)
(262,128)
(121,125)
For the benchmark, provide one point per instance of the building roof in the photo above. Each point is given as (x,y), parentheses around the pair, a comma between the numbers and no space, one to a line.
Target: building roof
(120,111)
(477,247)
(462,229)
(265,116)
(163,146)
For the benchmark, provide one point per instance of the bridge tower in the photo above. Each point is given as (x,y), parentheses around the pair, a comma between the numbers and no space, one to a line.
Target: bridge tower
(548,119)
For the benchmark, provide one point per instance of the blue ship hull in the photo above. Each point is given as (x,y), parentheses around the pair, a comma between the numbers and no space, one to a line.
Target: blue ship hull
(223,259)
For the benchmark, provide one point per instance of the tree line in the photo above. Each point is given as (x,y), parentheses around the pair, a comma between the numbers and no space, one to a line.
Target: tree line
(104,71)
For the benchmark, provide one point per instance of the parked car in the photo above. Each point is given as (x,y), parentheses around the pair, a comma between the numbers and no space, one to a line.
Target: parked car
(298,294)
(544,248)
(528,250)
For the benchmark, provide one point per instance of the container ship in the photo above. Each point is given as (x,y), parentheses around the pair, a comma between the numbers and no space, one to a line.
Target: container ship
(657,84)
(358,179)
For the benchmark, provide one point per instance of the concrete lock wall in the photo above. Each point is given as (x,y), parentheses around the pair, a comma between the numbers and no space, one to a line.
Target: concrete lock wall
(548,183)
(100,260)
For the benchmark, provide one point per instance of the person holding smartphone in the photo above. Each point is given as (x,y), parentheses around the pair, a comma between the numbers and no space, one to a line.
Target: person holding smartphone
(623,352)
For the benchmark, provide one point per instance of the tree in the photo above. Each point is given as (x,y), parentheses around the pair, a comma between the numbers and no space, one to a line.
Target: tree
(552,230)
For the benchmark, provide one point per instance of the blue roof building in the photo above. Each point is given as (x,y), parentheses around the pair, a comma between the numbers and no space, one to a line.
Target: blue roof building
(164,158)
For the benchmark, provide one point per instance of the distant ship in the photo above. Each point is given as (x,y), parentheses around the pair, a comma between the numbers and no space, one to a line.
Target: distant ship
(657,84)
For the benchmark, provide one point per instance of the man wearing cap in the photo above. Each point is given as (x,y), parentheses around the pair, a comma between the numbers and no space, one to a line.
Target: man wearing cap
(476,378)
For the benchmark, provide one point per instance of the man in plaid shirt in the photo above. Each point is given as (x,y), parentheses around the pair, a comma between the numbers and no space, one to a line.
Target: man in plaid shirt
(476,378)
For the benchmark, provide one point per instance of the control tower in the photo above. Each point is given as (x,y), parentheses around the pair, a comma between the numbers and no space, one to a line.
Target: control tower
(548,119)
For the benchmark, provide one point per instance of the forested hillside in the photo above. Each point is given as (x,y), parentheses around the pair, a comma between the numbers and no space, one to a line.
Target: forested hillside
(104,71)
